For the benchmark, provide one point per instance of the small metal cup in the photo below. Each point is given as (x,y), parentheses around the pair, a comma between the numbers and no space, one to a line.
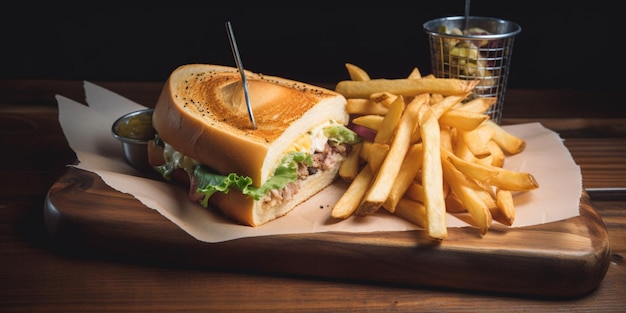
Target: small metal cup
(135,149)
(483,55)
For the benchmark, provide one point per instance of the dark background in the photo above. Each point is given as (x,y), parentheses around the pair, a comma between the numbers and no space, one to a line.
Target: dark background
(563,44)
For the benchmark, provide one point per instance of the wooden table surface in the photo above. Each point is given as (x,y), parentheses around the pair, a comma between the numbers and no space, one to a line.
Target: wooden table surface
(39,274)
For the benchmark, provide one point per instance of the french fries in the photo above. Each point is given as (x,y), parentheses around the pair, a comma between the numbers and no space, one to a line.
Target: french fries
(365,106)
(493,175)
(383,98)
(409,169)
(468,193)
(435,153)
(381,187)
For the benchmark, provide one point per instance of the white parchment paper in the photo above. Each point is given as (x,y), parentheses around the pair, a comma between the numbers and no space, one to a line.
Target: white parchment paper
(87,128)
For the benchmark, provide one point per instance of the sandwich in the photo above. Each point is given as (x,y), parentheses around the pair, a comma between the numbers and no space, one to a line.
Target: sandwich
(205,140)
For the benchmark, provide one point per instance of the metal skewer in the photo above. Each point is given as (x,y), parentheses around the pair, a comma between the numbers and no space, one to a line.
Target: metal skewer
(233,46)
(467,14)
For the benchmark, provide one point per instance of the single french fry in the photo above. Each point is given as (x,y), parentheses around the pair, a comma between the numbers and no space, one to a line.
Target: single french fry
(390,121)
(415,192)
(496,176)
(383,98)
(377,155)
(497,155)
(487,194)
(487,160)
(478,105)
(510,143)
(366,147)
(465,120)
(415,74)
(381,187)
(405,87)
(410,167)
(513,180)
(370,121)
(364,107)
(447,103)
(352,197)
(350,166)
(466,191)
(432,177)
(506,206)
(412,211)
(468,166)
(476,141)
(460,148)
(435,97)
(445,135)
(357,73)
(454,205)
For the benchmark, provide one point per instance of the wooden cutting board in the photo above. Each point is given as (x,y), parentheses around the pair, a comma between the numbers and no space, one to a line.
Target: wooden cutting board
(561,259)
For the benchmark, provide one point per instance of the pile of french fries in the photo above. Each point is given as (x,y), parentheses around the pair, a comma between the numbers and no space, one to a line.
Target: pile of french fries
(433,151)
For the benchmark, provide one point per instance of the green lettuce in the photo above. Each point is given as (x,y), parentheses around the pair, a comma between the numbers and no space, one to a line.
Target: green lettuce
(287,171)
(210,183)
(339,134)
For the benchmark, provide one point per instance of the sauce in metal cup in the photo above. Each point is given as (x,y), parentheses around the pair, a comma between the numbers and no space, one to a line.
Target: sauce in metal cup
(134,130)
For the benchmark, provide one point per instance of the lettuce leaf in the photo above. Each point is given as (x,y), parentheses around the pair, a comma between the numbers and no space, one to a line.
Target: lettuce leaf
(286,172)
(341,134)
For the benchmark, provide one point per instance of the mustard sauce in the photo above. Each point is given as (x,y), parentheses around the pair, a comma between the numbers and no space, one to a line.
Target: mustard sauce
(137,127)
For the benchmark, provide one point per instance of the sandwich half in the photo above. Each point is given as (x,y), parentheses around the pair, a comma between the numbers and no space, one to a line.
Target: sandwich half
(206,140)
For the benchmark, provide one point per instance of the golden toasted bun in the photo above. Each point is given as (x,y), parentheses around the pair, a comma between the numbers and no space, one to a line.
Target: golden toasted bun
(202,113)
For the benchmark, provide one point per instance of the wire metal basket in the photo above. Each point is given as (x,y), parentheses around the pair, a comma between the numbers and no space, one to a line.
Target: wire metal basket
(476,48)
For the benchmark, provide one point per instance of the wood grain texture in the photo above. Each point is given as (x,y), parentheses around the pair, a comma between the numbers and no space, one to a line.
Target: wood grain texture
(563,259)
